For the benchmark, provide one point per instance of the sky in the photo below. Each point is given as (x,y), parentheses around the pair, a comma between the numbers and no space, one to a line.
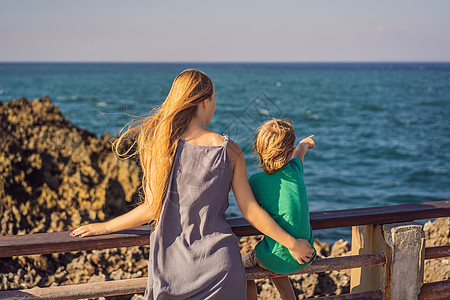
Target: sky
(224,31)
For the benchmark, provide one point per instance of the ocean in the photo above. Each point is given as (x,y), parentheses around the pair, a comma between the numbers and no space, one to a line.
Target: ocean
(381,129)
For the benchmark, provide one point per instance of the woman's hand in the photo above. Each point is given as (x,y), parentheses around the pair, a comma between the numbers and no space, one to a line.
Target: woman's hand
(302,251)
(90,229)
(138,216)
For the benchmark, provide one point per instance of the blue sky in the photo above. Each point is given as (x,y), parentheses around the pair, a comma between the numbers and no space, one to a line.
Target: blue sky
(227,31)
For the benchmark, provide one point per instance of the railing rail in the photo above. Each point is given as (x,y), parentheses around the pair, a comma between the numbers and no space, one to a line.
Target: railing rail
(439,290)
(437,252)
(54,242)
(137,285)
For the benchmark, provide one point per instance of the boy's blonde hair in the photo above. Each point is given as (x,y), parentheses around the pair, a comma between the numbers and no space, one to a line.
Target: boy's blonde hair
(274,143)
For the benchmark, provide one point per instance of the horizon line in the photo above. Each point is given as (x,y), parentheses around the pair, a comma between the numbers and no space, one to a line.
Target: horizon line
(229,62)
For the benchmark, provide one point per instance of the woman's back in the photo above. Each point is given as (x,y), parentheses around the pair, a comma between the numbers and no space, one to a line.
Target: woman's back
(193,252)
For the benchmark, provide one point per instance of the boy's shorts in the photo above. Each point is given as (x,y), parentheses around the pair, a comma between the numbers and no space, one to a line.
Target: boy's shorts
(249,259)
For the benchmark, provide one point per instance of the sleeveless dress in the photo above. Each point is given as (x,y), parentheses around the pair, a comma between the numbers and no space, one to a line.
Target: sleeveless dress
(193,252)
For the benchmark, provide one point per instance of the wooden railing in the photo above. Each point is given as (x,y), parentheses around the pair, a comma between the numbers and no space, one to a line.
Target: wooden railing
(55,242)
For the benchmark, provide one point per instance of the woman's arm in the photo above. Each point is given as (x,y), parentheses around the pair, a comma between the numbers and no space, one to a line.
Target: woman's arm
(136,217)
(303,146)
(300,249)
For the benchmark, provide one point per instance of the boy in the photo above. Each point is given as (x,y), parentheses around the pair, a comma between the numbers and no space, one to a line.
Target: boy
(281,191)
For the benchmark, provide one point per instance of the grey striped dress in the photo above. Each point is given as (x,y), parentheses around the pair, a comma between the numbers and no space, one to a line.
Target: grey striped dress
(193,252)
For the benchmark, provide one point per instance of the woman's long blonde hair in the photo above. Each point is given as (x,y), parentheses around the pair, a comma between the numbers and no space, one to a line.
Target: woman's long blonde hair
(156,136)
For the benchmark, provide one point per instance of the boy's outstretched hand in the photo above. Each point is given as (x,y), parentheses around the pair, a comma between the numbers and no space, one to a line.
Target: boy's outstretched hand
(309,141)
(303,146)
(90,229)
(302,251)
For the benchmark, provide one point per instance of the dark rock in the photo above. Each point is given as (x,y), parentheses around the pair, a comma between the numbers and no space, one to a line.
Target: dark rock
(55,176)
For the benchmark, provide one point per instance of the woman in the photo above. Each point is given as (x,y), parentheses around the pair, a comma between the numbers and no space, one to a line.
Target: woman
(187,173)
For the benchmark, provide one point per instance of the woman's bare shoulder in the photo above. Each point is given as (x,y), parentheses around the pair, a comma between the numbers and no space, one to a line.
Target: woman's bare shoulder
(234,153)
(212,138)
(216,139)
(205,138)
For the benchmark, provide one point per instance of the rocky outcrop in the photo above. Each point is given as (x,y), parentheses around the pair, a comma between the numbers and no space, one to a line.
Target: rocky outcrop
(55,176)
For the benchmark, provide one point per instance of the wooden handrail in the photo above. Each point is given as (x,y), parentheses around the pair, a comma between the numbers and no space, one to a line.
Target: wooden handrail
(371,295)
(437,252)
(61,242)
(324,265)
(130,286)
(54,242)
(438,290)
(80,291)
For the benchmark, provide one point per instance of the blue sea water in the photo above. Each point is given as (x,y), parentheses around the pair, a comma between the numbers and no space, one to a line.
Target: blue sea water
(382,129)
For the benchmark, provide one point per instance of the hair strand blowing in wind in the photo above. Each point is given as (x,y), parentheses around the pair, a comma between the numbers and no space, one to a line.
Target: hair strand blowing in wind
(156,136)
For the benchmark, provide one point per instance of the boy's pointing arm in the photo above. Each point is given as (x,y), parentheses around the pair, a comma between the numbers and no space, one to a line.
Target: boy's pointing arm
(303,146)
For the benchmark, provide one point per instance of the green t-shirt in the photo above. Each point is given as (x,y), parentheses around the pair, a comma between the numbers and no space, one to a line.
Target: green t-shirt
(283,195)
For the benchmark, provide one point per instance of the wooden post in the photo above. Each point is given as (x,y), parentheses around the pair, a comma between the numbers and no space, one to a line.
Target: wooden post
(404,270)
(368,239)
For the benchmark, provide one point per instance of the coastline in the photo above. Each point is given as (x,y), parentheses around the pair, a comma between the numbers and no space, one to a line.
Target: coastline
(55,176)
